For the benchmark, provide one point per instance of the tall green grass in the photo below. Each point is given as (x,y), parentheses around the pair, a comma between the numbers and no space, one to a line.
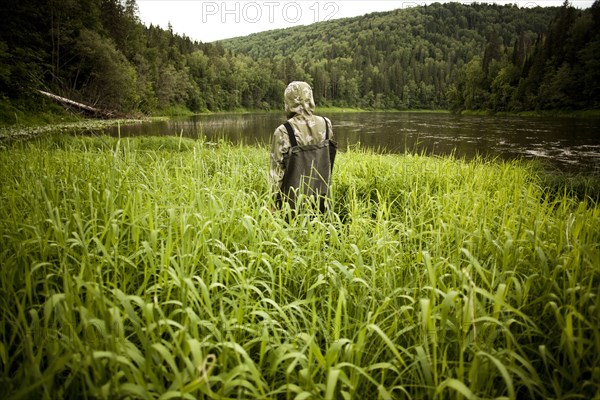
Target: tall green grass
(154,268)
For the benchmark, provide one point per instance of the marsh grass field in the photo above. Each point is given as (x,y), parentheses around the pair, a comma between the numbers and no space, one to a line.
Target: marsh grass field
(154,268)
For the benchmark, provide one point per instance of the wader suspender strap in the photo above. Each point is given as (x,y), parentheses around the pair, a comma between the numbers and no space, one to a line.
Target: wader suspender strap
(292,137)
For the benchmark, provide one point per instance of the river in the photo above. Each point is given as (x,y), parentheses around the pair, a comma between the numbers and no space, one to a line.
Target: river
(569,144)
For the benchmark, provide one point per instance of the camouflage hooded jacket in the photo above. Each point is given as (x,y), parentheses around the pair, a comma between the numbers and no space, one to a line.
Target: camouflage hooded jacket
(308,128)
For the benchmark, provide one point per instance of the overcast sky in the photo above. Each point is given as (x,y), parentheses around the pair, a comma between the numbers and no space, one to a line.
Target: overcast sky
(208,21)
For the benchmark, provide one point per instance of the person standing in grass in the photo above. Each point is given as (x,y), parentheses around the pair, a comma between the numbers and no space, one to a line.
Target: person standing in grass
(302,151)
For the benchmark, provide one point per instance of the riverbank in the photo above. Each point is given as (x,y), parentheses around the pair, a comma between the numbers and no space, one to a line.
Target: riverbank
(26,132)
(30,126)
(153,266)
(178,112)
(13,118)
(539,113)
(37,125)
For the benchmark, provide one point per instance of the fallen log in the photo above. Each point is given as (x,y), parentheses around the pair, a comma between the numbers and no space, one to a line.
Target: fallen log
(68,103)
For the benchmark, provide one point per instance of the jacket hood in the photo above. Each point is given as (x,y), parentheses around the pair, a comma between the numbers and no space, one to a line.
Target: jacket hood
(299,99)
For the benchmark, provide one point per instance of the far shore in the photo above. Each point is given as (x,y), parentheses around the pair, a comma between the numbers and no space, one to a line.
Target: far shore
(70,123)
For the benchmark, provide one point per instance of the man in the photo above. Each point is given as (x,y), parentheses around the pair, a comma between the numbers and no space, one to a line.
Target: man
(302,151)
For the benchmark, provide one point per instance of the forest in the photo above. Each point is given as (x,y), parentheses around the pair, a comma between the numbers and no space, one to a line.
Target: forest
(441,56)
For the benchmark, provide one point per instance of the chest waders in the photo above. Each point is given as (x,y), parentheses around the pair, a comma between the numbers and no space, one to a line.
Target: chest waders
(307,171)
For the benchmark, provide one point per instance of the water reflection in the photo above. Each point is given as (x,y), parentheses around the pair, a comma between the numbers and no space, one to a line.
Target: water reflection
(567,143)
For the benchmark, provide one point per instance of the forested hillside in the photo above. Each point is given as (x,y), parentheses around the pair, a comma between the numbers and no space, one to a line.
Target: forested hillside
(560,71)
(407,58)
(479,56)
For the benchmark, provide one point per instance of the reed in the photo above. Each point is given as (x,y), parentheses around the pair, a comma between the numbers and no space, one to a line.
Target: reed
(154,268)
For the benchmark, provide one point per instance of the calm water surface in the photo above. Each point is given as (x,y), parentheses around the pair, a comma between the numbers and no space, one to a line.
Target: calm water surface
(571,144)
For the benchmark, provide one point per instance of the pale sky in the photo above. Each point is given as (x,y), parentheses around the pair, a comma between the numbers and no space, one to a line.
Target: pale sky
(207,21)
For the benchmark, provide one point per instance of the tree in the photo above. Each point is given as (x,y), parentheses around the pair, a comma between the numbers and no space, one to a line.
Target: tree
(474,77)
(25,50)
(173,87)
(492,52)
(504,87)
(103,75)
